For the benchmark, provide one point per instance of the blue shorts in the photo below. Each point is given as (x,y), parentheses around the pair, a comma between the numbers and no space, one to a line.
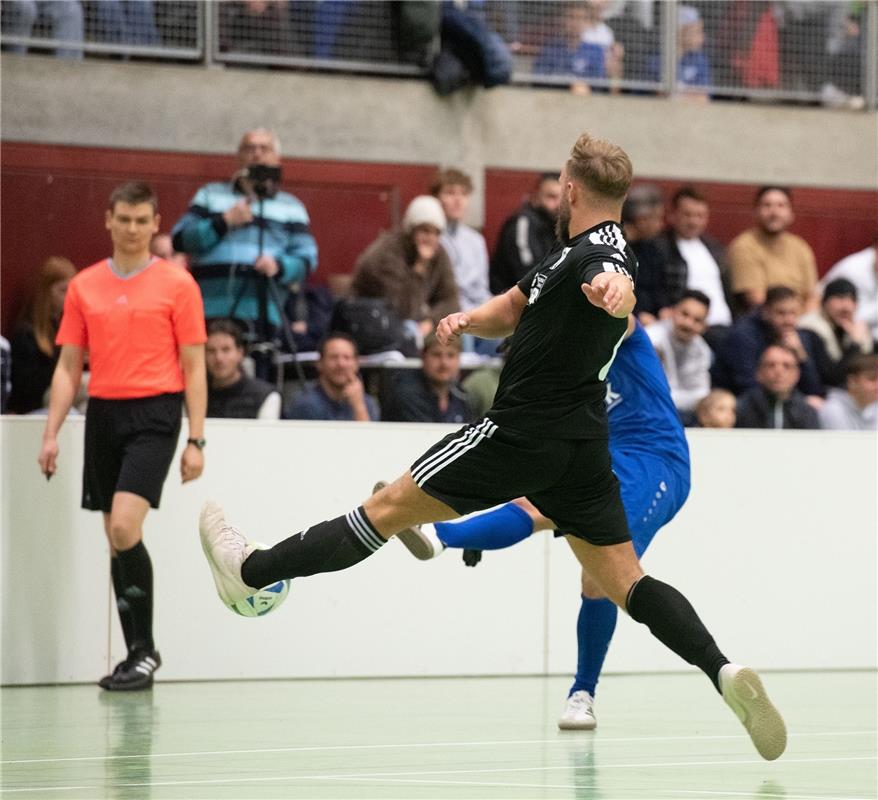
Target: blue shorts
(654,489)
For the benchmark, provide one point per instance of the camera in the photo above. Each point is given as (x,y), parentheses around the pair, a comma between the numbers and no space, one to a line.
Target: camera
(264,179)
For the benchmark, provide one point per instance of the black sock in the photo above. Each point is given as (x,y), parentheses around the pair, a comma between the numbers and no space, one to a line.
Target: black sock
(121,603)
(672,620)
(328,547)
(136,573)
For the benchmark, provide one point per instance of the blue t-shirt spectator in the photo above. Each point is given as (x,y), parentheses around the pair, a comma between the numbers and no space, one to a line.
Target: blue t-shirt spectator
(585,61)
(314,403)
(694,69)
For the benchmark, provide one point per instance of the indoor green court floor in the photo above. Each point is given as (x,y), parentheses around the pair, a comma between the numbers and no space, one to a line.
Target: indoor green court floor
(659,736)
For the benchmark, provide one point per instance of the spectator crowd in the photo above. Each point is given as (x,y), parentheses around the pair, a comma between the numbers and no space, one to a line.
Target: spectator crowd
(813,48)
(747,334)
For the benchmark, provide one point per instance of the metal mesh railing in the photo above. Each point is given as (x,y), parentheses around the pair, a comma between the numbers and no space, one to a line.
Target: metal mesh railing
(71,28)
(808,51)
(348,35)
(815,51)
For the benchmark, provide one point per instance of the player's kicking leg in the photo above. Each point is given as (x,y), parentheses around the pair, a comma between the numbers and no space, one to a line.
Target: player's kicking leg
(672,620)
(239,568)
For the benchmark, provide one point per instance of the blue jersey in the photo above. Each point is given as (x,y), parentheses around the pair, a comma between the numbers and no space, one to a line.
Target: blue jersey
(647,444)
(641,412)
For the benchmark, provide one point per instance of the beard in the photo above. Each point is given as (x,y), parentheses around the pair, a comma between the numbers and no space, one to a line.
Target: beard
(562,224)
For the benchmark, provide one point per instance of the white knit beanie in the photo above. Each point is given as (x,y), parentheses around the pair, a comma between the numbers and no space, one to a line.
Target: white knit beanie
(424,210)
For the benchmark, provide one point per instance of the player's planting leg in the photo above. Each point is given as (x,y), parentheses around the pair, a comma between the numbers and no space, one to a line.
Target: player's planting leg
(594,630)
(673,621)
(239,567)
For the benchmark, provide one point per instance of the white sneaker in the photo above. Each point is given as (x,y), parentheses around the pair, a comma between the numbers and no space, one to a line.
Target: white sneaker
(226,550)
(420,540)
(745,695)
(578,713)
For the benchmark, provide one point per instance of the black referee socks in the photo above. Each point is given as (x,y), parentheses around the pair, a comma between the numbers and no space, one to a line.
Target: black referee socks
(672,620)
(121,603)
(135,567)
(328,547)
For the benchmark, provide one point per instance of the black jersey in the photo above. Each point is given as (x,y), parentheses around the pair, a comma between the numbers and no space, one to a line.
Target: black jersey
(553,380)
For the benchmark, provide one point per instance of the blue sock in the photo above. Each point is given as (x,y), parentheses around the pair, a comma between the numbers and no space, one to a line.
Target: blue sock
(594,629)
(495,530)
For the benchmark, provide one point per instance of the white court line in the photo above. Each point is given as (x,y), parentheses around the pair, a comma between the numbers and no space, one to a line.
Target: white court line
(670,793)
(409,777)
(561,739)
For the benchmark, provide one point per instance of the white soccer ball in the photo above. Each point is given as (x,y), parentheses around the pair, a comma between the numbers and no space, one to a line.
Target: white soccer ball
(264,601)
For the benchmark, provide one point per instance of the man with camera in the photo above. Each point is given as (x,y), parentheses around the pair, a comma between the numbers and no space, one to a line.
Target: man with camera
(248,241)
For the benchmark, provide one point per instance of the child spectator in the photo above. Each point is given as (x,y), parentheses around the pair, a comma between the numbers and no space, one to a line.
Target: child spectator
(693,68)
(717,410)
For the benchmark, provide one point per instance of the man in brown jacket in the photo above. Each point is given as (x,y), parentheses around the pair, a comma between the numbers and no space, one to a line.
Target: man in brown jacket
(409,268)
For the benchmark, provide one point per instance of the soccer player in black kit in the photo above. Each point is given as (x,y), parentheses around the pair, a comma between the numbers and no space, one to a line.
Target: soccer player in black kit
(545,438)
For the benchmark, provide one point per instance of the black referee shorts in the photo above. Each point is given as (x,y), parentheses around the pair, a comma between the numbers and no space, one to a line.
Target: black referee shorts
(129,446)
(569,480)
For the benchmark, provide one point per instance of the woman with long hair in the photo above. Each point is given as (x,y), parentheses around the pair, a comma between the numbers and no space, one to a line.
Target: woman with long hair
(33,344)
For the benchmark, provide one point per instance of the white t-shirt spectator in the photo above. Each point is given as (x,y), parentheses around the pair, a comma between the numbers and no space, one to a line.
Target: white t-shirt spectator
(686,364)
(841,413)
(704,275)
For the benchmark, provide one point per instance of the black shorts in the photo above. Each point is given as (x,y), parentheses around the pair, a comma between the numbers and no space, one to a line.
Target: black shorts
(129,446)
(569,480)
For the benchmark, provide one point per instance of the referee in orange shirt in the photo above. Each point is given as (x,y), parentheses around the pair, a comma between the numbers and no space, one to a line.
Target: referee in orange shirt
(141,321)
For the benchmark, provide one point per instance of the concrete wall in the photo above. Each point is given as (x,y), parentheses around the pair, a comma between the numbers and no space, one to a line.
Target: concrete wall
(776,549)
(402,121)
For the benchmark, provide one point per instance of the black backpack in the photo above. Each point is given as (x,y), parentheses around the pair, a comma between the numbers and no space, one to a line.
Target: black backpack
(373,324)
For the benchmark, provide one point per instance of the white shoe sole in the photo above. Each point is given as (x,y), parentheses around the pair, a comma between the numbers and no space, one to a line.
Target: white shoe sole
(416,542)
(577,725)
(746,696)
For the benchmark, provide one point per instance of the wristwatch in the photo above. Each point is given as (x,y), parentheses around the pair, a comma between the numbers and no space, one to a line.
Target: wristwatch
(199,443)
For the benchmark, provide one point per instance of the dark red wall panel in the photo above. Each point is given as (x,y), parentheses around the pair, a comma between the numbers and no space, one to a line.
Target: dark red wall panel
(53,200)
(835,222)
(54,197)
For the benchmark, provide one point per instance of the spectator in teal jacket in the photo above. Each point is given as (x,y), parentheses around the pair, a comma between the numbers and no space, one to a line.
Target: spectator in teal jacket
(240,233)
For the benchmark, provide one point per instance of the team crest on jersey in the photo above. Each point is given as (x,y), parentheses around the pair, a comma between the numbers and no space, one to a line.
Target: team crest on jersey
(536,287)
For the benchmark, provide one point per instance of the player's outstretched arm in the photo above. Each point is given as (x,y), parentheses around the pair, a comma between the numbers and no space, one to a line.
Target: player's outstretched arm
(612,292)
(492,320)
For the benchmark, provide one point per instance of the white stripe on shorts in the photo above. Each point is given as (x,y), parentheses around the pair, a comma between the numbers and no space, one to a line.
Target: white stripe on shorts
(363,531)
(462,439)
(453,450)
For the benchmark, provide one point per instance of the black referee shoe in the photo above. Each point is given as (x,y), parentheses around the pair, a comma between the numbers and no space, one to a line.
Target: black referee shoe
(134,673)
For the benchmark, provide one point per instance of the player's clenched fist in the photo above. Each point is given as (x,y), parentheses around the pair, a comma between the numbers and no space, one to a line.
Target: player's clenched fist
(451,327)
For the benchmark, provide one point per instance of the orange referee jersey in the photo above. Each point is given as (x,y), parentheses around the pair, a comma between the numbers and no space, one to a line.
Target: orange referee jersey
(133,327)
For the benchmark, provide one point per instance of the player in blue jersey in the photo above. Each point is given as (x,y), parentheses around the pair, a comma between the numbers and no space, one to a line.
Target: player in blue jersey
(651,459)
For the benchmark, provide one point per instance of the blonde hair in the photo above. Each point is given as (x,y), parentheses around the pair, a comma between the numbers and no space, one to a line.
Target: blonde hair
(450,177)
(601,167)
(54,270)
(706,404)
